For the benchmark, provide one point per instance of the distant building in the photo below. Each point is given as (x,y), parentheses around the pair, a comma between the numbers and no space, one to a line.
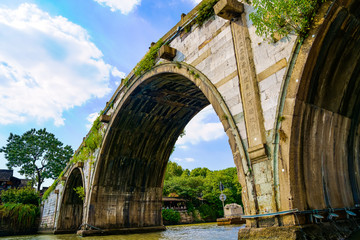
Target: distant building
(174,203)
(7,180)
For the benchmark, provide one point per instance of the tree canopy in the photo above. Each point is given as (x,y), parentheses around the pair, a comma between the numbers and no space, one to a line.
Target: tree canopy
(38,153)
(200,187)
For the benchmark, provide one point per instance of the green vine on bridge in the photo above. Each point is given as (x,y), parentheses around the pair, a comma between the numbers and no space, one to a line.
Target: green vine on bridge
(149,60)
(92,142)
(52,187)
(206,10)
(283,17)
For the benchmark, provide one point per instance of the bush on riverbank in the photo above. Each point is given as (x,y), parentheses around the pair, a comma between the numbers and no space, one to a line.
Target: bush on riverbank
(207,213)
(170,216)
(19,216)
(26,195)
(19,211)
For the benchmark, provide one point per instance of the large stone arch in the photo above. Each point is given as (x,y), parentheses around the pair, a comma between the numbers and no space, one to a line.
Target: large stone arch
(72,206)
(319,136)
(127,184)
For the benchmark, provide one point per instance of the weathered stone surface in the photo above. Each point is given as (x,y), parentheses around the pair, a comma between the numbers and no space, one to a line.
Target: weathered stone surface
(167,52)
(105,118)
(229,9)
(322,231)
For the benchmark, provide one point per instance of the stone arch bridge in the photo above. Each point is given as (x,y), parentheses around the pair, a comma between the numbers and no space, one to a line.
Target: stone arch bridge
(290,109)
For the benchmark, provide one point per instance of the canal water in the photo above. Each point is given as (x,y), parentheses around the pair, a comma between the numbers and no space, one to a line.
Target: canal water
(204,231)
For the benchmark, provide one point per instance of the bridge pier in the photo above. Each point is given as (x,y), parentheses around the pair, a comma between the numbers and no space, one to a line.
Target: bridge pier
(340,229)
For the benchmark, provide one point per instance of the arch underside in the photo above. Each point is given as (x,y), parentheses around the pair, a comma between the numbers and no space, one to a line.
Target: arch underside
(325,135)
(71,211)
(127,191)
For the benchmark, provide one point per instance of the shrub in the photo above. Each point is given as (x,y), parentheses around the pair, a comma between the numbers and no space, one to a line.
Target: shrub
(207,212)
(283,16)
(20,207)
(21,216)
(170,216)
(26,195)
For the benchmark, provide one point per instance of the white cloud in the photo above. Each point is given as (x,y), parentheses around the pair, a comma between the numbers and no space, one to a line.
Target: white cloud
(201,128)
(124,6)
(47,65)
(91,118)
(184,147)
(183,159)
(116,73)
(196,1)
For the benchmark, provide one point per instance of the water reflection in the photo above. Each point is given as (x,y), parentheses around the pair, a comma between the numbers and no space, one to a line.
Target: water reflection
(203,231)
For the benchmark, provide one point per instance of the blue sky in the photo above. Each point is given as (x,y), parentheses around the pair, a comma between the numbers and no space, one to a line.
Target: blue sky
(61,61)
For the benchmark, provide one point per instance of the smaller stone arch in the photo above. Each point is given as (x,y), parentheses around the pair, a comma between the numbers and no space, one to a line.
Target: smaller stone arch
(71,210)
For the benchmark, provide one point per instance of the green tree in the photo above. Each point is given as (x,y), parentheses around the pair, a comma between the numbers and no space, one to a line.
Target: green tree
(173,169)
(283,16)
(199,172)
(38,154)
(200,187)
(185,186)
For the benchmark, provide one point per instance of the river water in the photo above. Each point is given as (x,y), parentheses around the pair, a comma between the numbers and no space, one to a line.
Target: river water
(204,231)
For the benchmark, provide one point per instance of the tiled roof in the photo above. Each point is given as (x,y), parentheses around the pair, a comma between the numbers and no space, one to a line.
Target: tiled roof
(5,175)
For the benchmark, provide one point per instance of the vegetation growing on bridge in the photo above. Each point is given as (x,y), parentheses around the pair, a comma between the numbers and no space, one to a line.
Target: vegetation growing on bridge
(149,60)
(283,17)
(52,187)
(92,142)
(206,10)
(200,187)
(79,190)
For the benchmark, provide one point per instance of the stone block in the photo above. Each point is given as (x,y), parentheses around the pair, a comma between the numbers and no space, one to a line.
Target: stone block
(236,110)
(79,164)
(167,52)
(228,9)
(105,118)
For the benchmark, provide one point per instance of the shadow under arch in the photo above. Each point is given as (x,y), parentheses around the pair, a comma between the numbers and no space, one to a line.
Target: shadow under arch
(321,111)
(127,184)
(71,210)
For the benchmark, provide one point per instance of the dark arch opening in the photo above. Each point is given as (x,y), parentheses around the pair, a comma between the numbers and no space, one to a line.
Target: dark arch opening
(127,190)
(71,211)
(329,106)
